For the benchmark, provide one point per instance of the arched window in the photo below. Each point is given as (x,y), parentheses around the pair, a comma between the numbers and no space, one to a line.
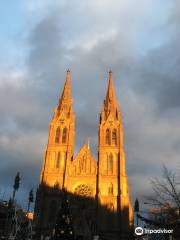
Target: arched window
(58,160)
(110,206)
(108,137)
(110,189)
(110,163)
(64,135)
(58,133)
(114,137)
(107,161)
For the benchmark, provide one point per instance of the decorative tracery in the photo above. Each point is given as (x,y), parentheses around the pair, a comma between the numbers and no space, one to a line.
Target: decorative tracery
(83,190)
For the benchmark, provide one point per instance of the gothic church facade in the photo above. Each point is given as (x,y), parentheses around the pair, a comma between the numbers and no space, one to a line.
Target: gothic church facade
(101,184)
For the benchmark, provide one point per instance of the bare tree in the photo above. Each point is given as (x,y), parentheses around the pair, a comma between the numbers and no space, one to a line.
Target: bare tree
(166,201)
(166,190)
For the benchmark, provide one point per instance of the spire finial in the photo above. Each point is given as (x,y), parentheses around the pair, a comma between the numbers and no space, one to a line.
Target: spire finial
(110,74)
(88,141)
(68,75)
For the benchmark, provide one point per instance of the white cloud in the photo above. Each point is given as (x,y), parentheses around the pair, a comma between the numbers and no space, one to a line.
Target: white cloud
(13,78)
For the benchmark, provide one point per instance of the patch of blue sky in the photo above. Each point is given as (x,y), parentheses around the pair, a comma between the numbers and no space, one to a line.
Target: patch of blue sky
(11,17)
(16,21)
(155,30)
(12,22)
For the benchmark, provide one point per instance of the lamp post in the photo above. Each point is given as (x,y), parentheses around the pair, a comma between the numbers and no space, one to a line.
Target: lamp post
(30,199)
(16,186)
(11,219)
(136,210)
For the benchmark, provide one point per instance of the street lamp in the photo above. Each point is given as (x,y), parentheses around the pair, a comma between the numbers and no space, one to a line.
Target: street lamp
(136,209)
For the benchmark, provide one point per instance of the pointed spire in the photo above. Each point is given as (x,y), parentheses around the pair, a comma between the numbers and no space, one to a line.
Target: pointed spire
(65,101)
(110,103)
(67,86)
(110,96)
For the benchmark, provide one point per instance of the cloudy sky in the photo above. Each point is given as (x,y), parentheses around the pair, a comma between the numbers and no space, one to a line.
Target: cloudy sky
(138,40)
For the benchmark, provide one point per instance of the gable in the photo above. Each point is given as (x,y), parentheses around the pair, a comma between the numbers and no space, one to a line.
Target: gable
(84,163)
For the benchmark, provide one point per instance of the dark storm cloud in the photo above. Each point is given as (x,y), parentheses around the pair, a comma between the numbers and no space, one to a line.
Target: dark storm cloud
(145,82)
(157,74)
(46,51)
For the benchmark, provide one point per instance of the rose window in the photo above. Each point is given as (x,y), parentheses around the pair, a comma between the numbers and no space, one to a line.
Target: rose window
(83,190)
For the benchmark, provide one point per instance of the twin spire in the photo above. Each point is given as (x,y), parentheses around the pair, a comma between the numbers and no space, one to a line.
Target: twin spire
(110,103)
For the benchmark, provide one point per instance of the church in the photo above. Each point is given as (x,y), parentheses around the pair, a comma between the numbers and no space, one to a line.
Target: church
(97,188)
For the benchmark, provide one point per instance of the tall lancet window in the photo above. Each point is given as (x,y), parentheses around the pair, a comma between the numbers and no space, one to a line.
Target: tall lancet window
(57,137)
(58,160)
(64,135)
(114,137)
(108,137)
(110,189)
(110,163)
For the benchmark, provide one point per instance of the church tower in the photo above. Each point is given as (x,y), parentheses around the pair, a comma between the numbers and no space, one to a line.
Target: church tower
(112,179)
(59,152)
(58,156)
